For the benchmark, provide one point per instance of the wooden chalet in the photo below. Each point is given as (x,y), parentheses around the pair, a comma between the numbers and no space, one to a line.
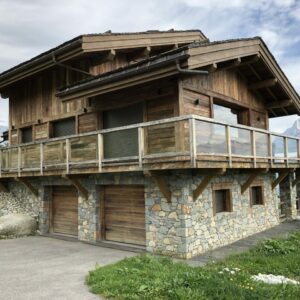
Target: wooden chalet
(154,139)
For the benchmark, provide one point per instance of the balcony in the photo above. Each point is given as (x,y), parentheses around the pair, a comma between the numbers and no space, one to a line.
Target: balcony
(176,143)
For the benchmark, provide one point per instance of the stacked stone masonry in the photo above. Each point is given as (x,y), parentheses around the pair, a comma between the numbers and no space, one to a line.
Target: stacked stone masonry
(185,227)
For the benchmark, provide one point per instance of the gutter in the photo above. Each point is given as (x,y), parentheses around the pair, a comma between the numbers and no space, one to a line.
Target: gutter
(190,72)
(142,67)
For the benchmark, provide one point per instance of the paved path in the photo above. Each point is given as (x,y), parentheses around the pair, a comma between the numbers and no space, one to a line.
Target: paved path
(38,268)
(244,244)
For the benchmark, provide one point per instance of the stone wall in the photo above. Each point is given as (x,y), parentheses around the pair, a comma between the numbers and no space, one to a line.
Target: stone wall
(186,228)
(18,200)
(183,227)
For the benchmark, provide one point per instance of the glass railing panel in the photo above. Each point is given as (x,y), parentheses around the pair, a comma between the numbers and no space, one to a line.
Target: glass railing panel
(262,144)
(210,138)
(240,141)
(277,148)
(292,151)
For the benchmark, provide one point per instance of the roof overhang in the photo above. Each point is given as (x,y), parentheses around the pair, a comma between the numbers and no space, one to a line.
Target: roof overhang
(249,57)
(253,60)
(87,44)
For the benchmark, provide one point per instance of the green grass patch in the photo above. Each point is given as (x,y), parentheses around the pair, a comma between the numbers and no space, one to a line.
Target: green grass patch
(150,277)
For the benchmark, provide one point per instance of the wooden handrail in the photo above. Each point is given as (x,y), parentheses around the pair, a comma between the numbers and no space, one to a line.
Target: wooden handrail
(191,134)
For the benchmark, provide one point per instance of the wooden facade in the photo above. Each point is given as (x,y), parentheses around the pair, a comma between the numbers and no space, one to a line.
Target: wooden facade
(125,103)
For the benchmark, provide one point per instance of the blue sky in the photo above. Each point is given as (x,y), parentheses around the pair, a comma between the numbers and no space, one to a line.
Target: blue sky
(28,28)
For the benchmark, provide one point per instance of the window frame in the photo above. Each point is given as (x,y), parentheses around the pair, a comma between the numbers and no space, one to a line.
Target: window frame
(22,134)
(227,187)
(262,194)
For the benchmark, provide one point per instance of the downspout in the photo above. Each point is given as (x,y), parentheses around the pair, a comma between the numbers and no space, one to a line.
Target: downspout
(190,72)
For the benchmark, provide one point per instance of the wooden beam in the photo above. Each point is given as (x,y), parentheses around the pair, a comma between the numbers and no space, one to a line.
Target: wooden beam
(297,178)
(3,188)
(28,185)
(75,182)
(212,68)
(163,187)
(232,64)
(279,104)
(203,184)
(263,84)
(279,179)
(110,56)
(251,178)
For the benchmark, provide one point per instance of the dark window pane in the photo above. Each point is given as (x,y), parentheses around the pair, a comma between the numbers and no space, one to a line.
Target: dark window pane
(122,143)
(222,201)
(64,127)
(256,195)
(27,135)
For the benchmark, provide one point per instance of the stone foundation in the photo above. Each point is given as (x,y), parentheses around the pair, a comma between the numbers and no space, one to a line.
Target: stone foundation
(181,228)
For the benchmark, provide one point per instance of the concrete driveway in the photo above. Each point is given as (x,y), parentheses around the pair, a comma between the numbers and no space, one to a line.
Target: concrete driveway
(46,268)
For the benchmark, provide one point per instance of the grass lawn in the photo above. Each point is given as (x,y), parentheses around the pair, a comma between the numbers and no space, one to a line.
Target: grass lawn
(151,277)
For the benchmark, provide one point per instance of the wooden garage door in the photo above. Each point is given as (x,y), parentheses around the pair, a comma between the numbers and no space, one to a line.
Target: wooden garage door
(124,214)
(65,210)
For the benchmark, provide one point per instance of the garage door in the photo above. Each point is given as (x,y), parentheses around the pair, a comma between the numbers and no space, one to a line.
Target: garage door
(65,210)
(124,214)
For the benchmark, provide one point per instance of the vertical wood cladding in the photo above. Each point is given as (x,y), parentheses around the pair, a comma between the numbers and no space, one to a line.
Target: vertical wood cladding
(200,92)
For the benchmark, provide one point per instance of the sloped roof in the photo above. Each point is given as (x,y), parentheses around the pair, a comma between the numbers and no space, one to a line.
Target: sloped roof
(199,55)
(79,45)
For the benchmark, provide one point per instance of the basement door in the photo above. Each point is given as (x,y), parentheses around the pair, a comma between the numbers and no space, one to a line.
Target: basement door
(123,214)
(65,210)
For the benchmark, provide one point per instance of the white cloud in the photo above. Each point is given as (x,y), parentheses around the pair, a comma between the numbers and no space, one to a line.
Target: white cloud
(28,28)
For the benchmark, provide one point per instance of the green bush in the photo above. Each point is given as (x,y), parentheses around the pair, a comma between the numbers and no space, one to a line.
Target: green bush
(272,246)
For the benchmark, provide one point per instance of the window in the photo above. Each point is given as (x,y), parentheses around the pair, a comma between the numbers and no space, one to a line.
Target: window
(230,115)
(222,200)
(64,127)
(256,195)
(27,135)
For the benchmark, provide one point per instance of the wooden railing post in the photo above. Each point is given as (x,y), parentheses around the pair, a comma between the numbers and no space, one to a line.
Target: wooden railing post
(193,144)
(41,158)
(100,151)
(253,148)
(19,161)
(298,149)
(228,140)
(286,151)
(0,162)
(270,150)
(67,156)
(141,146)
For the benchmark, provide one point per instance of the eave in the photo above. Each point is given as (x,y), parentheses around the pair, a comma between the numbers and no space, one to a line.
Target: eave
(253,60)
(86,44)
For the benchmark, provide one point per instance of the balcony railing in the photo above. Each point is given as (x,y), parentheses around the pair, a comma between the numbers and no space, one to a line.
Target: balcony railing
(180,142)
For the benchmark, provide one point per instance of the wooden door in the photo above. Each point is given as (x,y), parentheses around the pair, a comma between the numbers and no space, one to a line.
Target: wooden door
(124,214)
(65,210)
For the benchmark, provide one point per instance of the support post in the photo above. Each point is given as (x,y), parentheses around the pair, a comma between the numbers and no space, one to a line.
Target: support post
(28,185)
(75,182)
(141,145)
(193,146)
(163,187)
(41,158)
(67,156)
(100,151)
(279,179)
(228,140)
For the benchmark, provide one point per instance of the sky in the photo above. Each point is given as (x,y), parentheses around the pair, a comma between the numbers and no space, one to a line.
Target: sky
(28,28)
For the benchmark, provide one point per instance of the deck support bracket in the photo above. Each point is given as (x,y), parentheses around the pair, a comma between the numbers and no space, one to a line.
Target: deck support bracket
(251,178)
(162,185)
(206,180)
(297,178)
(3,188)
(76,183)
(28,185)
(280,178)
